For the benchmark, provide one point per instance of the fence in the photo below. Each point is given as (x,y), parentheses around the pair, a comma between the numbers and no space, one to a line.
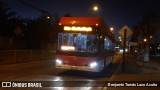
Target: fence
(20,56)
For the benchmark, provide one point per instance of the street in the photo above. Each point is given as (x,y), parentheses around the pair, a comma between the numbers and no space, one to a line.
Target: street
(57,79)
(46,71)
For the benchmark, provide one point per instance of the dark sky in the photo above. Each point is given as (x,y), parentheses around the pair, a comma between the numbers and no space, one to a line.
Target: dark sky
(116,13)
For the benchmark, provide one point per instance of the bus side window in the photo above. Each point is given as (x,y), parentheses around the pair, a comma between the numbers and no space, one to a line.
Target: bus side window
(107,44)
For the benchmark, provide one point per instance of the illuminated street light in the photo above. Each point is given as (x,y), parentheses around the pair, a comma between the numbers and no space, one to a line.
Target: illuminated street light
(95,8)
(48,17)
(145,40)
(111,28)
(151,37)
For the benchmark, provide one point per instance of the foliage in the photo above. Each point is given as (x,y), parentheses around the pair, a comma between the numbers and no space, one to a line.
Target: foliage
(5,20)
(148,26)
(32,34)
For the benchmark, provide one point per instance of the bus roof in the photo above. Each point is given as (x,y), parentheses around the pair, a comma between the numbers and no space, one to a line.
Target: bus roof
(80,21)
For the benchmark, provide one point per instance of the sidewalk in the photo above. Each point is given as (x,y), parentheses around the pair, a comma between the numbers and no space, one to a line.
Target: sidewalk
(135,70)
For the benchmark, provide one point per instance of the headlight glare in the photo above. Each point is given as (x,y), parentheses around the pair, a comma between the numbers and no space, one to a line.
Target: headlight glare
(93,64)
(58,61)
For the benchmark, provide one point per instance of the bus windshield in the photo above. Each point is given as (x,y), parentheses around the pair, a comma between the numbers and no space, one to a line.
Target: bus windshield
(77,42)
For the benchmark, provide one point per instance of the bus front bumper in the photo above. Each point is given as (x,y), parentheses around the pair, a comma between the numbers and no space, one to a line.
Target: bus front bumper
(82,68)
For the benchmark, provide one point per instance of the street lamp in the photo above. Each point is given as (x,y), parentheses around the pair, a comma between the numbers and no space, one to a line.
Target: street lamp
(150,37)
(48,17)
(95,8)
(111,29)
(92,10)
(145,40)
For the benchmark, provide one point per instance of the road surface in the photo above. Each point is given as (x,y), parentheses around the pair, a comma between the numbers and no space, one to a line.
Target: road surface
(46,71)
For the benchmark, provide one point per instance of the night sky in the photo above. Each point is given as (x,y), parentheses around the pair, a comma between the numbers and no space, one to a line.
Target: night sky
(116,13)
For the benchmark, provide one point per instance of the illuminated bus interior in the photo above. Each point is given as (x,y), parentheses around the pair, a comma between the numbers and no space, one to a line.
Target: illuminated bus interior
(77,42)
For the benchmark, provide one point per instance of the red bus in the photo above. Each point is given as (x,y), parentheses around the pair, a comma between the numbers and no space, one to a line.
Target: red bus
(84,43)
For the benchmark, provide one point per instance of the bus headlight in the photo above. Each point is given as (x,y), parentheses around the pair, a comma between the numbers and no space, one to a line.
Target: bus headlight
(58,61)
(93,64)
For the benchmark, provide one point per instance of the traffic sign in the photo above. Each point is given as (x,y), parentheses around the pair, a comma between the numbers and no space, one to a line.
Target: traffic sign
(128,31)
(125,32)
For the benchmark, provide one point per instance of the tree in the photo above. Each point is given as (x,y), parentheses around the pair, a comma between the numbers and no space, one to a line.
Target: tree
(5,18)
(146,29)
(42,31)
(34,34)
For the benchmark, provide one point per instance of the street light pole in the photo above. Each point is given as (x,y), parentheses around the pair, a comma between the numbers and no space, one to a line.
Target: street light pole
(146,52)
